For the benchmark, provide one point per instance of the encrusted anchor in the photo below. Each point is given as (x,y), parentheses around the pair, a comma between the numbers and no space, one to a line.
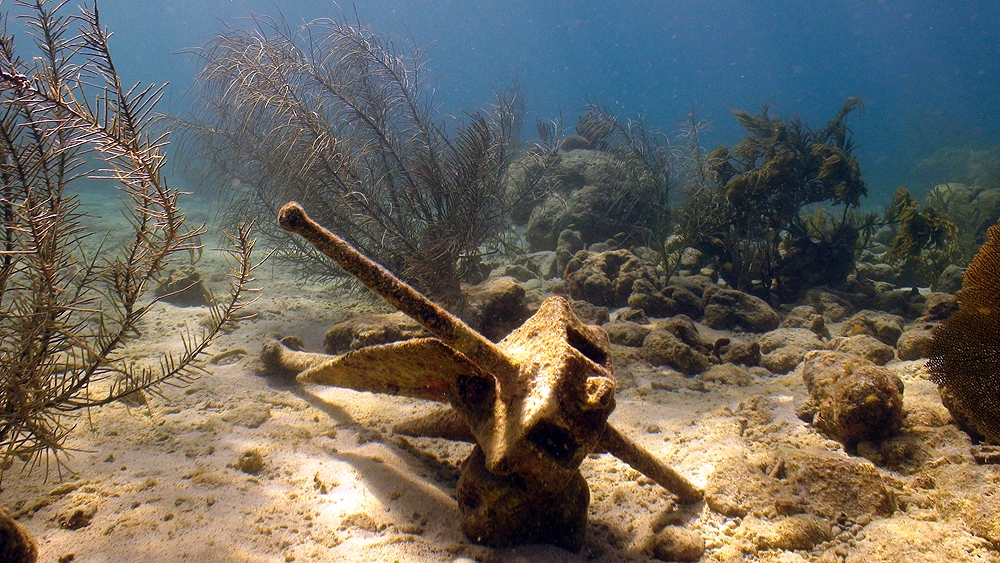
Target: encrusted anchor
(535,404)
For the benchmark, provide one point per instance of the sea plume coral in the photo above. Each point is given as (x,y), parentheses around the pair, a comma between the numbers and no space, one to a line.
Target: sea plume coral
(964,351)
(753,216)
(925,240)
(68,303)
(334,116)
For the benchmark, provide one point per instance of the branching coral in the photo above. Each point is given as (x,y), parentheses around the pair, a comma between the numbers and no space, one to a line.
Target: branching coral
(924,243)
(596,125)
(68,305)
(917,229)
(763,185)
(964,351)
(334,116)
(972,209)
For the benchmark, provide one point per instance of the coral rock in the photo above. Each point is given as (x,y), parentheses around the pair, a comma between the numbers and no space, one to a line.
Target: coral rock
(939,306)
(692,258)
(798,532)
(983,518)
(868,347)
(790,338)
(76,516)
(662,348)
(590,313)
(495,307)
(805,316)
(727,374)
(783,349)
(543,224)
(543,264)
(684,328)
(833,308)
(832,484)
(516,271)
(696,284)
(626,333)
(732,309)
(742,352)
(589,184)
(876,272)
(808,480)
(736,488)
(250,462)
(574,142)
(185,287)
(628,314)
(852,398)
(783,360)
(823,368)
(371,330)
(884,326)
(866,405)
(649,300)
(907,303)
(912,344)
(570,242)
(905,540)
(950,280)
(607,278)
(686,302)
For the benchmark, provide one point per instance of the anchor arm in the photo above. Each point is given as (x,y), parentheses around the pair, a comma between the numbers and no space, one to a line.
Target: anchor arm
(637,457)
(450,329)
(423,368)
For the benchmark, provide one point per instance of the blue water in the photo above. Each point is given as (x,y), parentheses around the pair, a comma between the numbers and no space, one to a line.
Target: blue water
(929,71)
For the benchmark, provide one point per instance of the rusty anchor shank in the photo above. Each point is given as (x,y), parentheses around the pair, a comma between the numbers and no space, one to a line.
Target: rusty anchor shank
(450,329)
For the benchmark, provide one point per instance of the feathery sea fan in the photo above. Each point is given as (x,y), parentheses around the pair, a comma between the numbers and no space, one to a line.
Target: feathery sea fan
(335,117)
(68,305)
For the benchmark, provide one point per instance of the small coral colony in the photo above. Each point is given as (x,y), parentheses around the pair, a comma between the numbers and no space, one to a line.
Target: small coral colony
(644,242)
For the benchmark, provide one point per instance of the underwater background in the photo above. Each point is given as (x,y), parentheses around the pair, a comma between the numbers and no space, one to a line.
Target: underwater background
(793,379)
(928,72)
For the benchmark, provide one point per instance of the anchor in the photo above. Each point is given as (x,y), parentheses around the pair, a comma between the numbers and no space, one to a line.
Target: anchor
(536,404)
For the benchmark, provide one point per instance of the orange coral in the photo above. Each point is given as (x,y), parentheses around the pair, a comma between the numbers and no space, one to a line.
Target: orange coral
(965,350)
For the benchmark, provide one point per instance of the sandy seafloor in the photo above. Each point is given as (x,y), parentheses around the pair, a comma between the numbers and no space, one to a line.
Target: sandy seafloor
(161,482)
